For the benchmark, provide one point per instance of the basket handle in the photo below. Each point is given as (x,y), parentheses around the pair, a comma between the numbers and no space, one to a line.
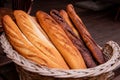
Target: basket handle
(112,50)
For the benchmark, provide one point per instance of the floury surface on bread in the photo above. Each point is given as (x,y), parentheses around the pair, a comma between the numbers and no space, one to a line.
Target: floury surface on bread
(46,55)
(61,40)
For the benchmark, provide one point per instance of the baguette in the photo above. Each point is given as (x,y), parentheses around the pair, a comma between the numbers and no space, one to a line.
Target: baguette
(73,37)
(61,41)
(90,43)
(24,47)
(30,29)
(38,26)
(65,16)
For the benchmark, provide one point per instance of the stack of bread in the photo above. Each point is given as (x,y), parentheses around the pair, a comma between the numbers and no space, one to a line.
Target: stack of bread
(56,40)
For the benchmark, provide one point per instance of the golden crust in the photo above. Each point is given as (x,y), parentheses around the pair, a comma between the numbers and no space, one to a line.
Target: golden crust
(61,40)
(65,16)
(24,47)
(36,37)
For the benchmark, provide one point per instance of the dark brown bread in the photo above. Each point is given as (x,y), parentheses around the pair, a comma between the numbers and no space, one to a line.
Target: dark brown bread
(77,41)
(90,43)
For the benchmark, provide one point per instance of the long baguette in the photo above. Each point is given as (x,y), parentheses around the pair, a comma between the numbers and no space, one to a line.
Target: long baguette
(73,37)
(61,40)
(36,37)
(90,43)
(24,47)
(65,16)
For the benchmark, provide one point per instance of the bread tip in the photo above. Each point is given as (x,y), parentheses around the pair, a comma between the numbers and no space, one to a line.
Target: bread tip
(16,12)
(69,5)
(5,16)
(62,10)
(39,11)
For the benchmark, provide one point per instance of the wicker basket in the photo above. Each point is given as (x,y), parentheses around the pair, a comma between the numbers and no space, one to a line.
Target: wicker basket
(30,71)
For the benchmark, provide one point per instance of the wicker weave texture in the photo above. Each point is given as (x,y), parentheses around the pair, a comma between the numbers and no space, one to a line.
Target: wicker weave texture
(32,71)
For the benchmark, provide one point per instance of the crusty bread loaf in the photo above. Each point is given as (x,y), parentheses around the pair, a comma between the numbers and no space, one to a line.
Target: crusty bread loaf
(86,36)
(32,31)
(77,41)
(65,16)
(24,47)
(61,40)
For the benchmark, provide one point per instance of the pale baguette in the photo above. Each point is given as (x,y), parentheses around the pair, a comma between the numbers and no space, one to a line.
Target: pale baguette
(38,26)
(61,40)
(36,37)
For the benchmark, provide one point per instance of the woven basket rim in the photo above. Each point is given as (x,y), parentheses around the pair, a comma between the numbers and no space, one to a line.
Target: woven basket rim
(110,65)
